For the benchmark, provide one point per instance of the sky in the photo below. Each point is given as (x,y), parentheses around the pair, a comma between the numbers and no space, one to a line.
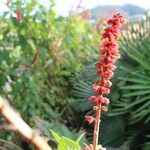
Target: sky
(62,7)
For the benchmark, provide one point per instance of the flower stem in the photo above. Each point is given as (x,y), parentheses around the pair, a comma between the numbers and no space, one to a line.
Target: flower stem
(96,127)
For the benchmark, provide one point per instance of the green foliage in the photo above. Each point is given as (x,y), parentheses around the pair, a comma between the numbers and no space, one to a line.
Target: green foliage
(82,87)
(146,145)
(37,57)
(66,143)
(136,84)
(39,54)
(112,131)
(59,128)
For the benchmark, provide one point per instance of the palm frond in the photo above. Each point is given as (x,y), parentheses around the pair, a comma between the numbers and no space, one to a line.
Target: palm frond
(82,88)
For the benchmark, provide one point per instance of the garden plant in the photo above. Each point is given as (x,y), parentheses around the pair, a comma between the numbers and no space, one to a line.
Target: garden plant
(47,70)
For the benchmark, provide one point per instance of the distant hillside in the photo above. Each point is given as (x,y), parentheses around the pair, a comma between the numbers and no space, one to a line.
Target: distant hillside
(133,9)
(104,11)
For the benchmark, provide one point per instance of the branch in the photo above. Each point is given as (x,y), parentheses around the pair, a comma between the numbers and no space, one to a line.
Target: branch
(21,126)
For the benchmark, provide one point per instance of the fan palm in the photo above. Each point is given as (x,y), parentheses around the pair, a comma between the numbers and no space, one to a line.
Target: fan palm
(134,101)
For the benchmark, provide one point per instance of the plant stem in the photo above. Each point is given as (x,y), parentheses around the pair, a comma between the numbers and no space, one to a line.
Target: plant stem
(96,127)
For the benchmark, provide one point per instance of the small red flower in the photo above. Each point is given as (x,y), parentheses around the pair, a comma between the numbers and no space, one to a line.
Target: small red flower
(95,108)
(89,119)
(104,108)
(108,74)
(103,51)
(110,66)
(106,91)
(105,101)
(107,83)
(97,88)
(94,99)
(103,59)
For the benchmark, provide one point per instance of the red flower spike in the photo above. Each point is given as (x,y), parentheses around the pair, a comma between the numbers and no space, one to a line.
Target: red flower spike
(105,69)
(89,119)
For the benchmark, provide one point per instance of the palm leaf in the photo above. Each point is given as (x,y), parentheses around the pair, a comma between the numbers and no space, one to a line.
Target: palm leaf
(134,101)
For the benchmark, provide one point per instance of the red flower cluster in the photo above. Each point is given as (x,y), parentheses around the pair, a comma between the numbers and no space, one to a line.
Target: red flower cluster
(105,66)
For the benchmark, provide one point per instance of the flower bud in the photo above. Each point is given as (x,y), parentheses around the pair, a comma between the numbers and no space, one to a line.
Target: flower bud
(95,108)
(89,119)
(104,108)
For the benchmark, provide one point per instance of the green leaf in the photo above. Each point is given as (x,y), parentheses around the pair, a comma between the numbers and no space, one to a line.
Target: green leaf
(112,131)
(55,135)
(3,79)
(141,92)
(43,53)
(135,87)
(68,144)
(80,137)
(65,143)
(133,79)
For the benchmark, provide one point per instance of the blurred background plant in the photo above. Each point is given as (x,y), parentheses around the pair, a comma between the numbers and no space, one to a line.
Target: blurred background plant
(38,54)
(47,67)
